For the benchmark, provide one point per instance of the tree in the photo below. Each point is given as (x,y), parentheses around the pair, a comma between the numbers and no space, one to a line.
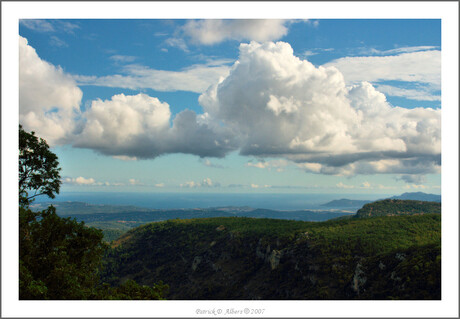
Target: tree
(38,168)
(60,258)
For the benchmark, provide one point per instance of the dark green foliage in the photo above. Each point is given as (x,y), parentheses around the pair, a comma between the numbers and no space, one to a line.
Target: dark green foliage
(38,168)
(111,234)
(59,258)
(130,290)
(415,274)
(394,207)
(245,258)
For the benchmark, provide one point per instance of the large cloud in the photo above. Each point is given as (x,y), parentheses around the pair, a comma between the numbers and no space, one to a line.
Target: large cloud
(139,126)
(282,106)
(48,97)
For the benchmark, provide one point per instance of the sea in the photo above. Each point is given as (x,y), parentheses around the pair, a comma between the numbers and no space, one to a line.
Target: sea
(206,200)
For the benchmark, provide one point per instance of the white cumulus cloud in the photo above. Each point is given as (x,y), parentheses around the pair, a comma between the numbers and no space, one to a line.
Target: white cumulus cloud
(281,106)
(139,126)
(49,99)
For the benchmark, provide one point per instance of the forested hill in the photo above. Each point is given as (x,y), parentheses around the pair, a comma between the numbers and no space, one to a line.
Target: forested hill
(395,207)
(390,257)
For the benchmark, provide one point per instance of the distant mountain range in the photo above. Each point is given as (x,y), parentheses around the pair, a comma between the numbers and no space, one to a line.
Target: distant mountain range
(419,196)
(114,220)
(348,203)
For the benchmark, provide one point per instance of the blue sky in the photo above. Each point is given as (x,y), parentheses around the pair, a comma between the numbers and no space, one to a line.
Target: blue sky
(245,106)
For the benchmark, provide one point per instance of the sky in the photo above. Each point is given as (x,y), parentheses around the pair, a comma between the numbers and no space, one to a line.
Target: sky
(236,106)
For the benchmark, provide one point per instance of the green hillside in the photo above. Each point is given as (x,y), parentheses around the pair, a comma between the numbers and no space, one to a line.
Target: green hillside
(392,257)
(396,207)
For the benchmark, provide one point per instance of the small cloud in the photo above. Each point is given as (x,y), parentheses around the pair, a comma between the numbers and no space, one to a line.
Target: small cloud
(255,186)
(41,25)
(66,26)
(159,185)
(177,43)
(313,23)
(207,182)
(342,185)
(208,163)
(125,158)
(276,164)
(315,51)
(416,186)
(258,165)
(79,181)
(190,184)
(310,167)
(135,182)
(214,31)
(309,53)
(122,58)
(37,25)
(56,42)
(366,185)
(397,50)
(82,181)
